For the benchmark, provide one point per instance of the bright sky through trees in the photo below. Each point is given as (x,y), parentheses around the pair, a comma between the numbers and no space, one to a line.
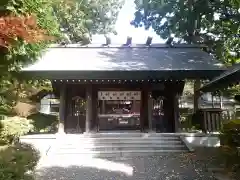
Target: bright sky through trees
(124,28)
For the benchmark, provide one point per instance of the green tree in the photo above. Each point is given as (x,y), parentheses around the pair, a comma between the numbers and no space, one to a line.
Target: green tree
(76,19)
(213,23)
(21,22)
(22,52)
(79,19)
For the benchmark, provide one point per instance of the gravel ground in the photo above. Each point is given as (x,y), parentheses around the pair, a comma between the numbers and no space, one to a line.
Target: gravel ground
(164,167)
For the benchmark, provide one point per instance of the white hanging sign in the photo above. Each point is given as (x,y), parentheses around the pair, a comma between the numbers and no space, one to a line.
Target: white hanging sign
(119,95)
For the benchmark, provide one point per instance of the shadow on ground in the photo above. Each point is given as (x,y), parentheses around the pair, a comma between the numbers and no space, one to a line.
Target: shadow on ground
(172,167)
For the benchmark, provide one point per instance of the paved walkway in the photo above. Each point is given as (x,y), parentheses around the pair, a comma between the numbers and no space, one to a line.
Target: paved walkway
(165,167)
(77,167)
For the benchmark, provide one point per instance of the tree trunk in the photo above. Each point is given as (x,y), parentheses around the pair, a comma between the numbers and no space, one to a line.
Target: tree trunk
(197,84)
(221,100)
(212,100)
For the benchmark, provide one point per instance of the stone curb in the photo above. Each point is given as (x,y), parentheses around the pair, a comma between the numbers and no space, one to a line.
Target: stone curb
(190,148)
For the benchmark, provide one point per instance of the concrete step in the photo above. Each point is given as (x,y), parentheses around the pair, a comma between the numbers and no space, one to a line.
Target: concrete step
(119,141)
(120,153)
(75,139)
(122,146)
(99,135)
(118,144)
(123,143)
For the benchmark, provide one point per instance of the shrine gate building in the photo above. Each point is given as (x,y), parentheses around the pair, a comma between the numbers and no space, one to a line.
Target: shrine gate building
(104,88)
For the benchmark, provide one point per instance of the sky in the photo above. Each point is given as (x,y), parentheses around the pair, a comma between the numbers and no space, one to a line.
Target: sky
(124,29)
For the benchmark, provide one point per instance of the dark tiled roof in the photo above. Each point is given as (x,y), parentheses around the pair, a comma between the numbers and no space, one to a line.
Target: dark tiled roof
(139,58)
(230,76)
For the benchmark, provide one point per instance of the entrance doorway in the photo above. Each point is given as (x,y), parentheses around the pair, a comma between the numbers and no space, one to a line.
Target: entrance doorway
(158,119)
(76,120)
(119,110)
(163,114)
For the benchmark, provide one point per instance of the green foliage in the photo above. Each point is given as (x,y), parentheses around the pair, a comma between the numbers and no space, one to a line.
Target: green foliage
(13,86)
(43,123)
(20,89)
(79,19)
(12,128)
(189,124)
(16,161)
(230,141)
(24,53)
(213,23)
(231,157)
(230,135)
(5,110)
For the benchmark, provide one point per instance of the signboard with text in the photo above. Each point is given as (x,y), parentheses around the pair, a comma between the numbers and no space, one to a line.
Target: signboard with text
(119,95)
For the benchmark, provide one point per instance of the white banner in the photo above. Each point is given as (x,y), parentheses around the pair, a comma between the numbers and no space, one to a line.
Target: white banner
(119,95)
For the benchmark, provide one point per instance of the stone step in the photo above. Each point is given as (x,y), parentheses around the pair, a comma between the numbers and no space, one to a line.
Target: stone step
(122,146)
(106,142)
(120,153)
(118,144)
(74,139)
(124,143)
(99,135)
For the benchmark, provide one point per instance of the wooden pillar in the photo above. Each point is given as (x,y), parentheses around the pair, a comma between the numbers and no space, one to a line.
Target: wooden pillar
(62,108)
(144,109)
(88,108)
(150,106)
(169,110)
(94,124)
(91,109)
(176,113)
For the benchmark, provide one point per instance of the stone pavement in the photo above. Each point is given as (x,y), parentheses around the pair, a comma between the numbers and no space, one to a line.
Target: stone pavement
(42,142)
(78,167)
(162,167)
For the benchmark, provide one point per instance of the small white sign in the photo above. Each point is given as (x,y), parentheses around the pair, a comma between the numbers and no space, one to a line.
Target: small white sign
(119,95)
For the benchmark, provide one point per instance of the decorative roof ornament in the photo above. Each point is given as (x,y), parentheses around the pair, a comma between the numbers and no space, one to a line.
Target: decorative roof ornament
(169,41)
(129,41)
(108,40)
(149,41)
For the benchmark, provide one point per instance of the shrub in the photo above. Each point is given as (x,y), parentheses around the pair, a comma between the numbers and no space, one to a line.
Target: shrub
(230,141)
(24,109)
(230,134)
(44,123)
(12,128)
(189,123)
(17,161)
(230,157)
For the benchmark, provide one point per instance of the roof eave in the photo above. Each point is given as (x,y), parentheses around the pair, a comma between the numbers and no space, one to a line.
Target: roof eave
(136,74)
(221,82)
